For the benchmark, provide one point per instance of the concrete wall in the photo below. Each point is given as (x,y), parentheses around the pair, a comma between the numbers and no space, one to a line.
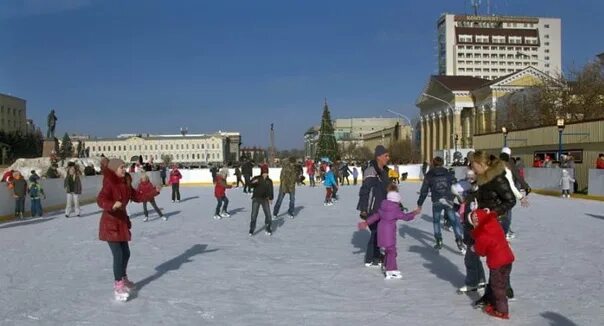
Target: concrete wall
(596,182)
(545,178)
(55,194)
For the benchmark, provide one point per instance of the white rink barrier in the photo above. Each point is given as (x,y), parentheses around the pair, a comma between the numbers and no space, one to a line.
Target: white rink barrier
(55,193)
(203,176)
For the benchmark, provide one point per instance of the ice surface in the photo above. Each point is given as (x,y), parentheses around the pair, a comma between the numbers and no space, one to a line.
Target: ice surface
(194,270)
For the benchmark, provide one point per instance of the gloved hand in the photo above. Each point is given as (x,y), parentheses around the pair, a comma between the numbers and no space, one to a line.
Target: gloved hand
(363,215)
(362,225)
(129,224)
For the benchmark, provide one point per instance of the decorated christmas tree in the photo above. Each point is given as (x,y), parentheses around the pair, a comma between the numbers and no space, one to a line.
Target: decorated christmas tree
(327,146)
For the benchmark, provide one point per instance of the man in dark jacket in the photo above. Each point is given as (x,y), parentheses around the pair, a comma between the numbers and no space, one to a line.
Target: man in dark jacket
(519,183)
(438,181)
(373,192)
(262,196)
(246,170)
(163,174)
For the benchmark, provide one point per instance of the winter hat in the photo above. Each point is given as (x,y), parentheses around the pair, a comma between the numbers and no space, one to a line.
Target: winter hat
(564,172)
(506,150)
(380,150)
(394,196)
(263,169)
(114,164)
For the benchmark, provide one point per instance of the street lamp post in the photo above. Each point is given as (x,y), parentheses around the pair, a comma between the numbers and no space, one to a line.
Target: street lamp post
(504,130)
(456,139)
(560,124)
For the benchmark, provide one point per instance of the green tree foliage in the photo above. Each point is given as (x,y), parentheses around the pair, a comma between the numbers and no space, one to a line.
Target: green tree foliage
(66,149)
(22,145)
(327,145)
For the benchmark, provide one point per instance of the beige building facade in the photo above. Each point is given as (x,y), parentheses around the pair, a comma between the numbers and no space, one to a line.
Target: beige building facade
(387,136)
(13,115)
(582,140)
(455,108)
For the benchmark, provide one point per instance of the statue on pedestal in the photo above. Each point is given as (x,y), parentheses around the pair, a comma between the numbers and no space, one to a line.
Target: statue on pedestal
(52,122)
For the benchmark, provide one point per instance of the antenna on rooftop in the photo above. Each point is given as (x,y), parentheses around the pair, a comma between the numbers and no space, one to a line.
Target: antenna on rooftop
(476,5)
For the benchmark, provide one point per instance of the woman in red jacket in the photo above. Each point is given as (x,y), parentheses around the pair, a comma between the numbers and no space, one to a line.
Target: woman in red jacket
(490,241)
(114,226)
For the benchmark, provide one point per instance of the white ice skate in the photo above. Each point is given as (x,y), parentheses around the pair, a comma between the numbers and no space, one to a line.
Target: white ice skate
(468,288)
(146,219)
(225,214)
(120,291)
(165,218)
(393,275)
(290,215)
(217,217)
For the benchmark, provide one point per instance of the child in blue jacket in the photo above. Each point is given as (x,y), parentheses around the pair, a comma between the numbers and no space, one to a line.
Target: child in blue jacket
(330,186)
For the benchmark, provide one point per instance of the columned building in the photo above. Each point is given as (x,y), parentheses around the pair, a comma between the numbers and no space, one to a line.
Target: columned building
(455,108)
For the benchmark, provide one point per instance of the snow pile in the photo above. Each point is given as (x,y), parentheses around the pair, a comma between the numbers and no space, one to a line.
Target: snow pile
(41,165)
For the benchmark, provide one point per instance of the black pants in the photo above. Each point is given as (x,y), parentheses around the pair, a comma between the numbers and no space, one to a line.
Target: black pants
(372,254)
(311,179)
(163,181)
(240,181)
(121,255)
(256,203)
(495,293)
(247,186)
(154,205)
(175,191)
(220,204)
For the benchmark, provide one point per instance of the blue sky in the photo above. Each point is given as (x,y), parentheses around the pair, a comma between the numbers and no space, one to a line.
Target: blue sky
(114,66)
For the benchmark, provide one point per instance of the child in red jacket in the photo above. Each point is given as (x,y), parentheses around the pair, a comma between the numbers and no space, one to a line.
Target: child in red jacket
(147,191)
(220,188)
(490,241)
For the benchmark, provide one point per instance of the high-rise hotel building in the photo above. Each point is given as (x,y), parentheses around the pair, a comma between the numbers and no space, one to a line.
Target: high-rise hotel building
(489,47)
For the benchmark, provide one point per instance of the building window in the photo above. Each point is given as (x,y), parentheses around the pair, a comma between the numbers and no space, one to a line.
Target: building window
(546,58)
(547,65)
(546,50)
(546,36)
(201,146)
(546,25)
(465,38)
(546,43)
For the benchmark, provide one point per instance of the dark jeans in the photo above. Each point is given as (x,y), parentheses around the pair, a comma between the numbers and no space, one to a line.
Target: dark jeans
(152,202)
(474,269)
(223,200)
(495,293)
(247,186)
(163,181)
(311,179)
(256,203)
(372,254)
(354,180)
(19,205)
(347,181)
(506,222)
(240,181)
(121,255)
(175,191)
(36,207)
(437,209)
(566,192)
(292,202)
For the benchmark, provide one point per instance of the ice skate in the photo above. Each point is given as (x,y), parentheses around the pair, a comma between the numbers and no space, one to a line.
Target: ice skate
(461,246)
(165,218)
(510,235)
(130,286)
(225,214)
(217,217)
(290,215)
(146,219)
(393,275)
(120,291)
(470,288)
(439,244)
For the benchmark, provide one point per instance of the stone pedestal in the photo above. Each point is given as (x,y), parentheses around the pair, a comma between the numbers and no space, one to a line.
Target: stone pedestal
(49,146)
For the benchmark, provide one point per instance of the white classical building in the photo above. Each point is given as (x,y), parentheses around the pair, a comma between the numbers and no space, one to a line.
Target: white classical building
(490,47)
(188,149)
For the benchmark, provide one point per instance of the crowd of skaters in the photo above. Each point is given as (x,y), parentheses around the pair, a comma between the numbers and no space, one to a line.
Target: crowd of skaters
(477,208)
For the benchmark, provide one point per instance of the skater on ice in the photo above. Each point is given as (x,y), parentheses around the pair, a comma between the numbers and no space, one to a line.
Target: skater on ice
(114,225)
(262,195)
(438,181)
(490,241)
(566,182)
(147,192)
(330,186)
(220,187)
(386,217)
(174,180)
(373,191)
(287,186)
